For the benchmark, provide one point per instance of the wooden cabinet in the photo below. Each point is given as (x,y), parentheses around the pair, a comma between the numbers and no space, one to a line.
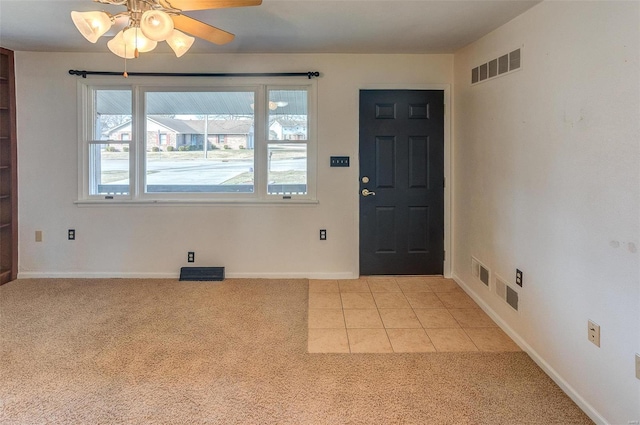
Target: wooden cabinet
(8,170)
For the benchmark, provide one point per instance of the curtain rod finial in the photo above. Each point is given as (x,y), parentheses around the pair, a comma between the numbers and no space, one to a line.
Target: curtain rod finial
(79,73)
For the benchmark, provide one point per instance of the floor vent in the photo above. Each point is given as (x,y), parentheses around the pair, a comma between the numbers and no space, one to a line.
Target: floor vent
(203,274)
(496,67)
(506,293)
(480,271)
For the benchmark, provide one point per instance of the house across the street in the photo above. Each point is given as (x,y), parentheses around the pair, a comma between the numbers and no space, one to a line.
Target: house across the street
(163,132)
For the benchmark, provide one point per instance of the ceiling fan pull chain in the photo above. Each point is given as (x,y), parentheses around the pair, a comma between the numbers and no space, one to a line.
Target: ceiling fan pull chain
(125,75)
(136,53)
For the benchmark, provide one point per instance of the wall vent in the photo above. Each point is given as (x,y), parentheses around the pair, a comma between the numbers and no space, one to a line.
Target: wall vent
(480,271)
(484,275)
(475,268)
(497,67)
(506,292)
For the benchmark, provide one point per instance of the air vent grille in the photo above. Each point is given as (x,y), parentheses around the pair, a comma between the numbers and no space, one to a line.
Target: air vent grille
(496,67)
(507,293)
(480,271)
(484,275)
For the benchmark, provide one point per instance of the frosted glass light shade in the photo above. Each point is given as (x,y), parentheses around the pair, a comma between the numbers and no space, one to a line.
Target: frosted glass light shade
(124,43)
(119,47)
(92,25)
(180,42)
(156,25)
(134,38)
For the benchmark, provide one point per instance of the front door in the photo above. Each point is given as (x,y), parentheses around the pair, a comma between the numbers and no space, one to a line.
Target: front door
(401,182)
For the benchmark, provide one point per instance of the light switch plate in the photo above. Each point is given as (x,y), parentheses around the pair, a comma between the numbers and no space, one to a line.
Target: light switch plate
(339,161)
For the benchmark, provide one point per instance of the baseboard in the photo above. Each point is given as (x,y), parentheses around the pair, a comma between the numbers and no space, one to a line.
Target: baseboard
(96,275)
(553,374)
(309,275)
(230,275)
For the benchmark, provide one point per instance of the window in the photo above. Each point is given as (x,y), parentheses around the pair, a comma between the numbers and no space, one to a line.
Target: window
(288,121)
(250,143)
(108,160)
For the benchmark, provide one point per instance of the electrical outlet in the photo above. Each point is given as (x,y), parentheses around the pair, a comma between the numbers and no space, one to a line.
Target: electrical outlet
(191,257)
(594,333)
(519,277)
(71,234)
(323,234)
(38,235)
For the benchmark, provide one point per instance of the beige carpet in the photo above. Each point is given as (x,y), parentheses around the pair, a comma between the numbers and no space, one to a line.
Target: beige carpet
(165,352)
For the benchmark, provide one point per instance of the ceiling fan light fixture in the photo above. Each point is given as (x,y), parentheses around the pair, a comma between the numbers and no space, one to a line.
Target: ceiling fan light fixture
(119,47)
(156,25)
(135,39)
(180,42)
(275,105)
(126,43)
(92,25)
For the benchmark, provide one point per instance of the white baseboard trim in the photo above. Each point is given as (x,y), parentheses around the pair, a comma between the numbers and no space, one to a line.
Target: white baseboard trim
(553,374)
(150,275)
(95,275)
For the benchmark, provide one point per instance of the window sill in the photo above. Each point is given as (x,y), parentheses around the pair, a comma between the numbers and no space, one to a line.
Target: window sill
(194,202)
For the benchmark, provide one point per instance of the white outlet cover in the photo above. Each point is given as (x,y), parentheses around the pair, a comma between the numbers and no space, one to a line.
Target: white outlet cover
(594,332)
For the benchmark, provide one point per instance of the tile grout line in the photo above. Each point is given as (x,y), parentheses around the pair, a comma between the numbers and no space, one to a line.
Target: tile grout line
(413,310)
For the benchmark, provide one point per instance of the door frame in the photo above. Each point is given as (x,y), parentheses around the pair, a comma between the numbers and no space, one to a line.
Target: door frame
(448,161)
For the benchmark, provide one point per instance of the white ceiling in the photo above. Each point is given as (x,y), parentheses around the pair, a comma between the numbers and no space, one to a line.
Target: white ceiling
(290,26)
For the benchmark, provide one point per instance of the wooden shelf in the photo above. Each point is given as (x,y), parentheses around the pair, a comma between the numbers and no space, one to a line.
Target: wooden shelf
(8,170)
(5,276)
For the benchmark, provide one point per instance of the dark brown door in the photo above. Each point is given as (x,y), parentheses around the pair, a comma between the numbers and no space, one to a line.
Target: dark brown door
(401,182)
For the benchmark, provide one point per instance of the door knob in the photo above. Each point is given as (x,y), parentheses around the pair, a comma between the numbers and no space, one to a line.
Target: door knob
(367,192)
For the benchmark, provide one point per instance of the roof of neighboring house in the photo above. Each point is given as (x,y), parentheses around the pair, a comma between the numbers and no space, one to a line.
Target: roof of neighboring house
(117,128)
(197,126)
(291,123)
(177,126)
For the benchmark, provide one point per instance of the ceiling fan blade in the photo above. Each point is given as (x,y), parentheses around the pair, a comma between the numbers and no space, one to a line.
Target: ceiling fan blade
(209,4)
(202,30)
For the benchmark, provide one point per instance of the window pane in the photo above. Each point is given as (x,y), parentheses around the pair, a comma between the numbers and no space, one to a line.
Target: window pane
(109,169)
(199,142)
(288,115)
(113,115)
(287,165)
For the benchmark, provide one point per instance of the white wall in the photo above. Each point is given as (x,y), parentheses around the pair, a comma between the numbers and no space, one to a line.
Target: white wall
(145,241)
(547,179)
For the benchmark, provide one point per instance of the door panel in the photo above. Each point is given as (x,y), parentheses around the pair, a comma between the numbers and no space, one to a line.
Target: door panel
(402,155)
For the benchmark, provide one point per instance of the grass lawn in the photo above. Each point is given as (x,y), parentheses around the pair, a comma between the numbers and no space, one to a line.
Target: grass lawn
(222,155)
(278,177)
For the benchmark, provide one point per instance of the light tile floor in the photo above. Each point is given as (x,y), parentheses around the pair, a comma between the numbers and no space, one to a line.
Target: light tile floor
(387,314)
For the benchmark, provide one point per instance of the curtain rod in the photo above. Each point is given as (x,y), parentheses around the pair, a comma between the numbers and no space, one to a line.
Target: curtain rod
(309,74)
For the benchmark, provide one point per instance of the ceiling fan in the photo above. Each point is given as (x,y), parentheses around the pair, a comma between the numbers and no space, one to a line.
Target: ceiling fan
(150,21)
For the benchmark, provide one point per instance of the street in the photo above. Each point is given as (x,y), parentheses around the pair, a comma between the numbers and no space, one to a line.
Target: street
(180,172)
